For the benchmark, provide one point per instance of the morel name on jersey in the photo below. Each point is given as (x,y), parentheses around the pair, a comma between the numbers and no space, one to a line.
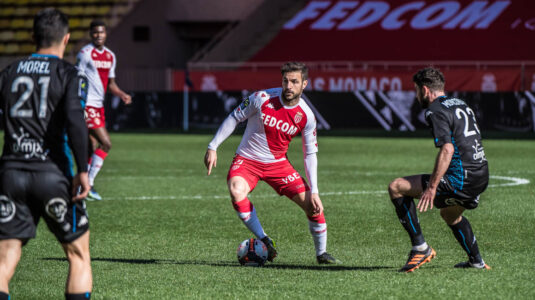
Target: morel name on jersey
(34,67)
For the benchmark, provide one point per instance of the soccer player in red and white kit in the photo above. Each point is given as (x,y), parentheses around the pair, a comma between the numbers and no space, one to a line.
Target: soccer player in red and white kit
(274,117)
(98,63)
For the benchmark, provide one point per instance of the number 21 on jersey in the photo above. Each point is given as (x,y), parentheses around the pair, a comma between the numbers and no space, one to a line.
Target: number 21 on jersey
(16,110)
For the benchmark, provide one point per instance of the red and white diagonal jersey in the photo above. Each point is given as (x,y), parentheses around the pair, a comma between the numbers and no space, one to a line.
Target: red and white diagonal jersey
(98,66)
(271,126)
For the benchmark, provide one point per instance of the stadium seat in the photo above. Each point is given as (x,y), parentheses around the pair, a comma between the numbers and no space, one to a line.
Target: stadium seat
(11,48)
(85,22)
(6,35)
(77,10)
(23,36)
(16,20)
(8,11)
(21,11)
(90,10)
(104,10)
(17,23)
(27,48)
(66,10)
(78,35)
(74,22)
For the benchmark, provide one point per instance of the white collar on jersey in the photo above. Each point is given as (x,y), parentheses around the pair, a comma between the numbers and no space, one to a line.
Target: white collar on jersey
(99,51)
(286,106)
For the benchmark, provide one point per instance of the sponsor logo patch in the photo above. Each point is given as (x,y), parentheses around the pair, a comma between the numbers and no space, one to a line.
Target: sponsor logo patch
(7,209)
(56,208)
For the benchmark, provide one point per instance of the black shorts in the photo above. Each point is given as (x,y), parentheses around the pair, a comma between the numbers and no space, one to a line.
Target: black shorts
(446,195)
(25,196)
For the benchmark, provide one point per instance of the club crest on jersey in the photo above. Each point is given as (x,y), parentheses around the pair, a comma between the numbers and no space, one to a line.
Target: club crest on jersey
(298,117)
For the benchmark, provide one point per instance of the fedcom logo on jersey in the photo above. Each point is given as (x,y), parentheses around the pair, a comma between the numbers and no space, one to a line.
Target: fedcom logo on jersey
(285,127)
(102,64)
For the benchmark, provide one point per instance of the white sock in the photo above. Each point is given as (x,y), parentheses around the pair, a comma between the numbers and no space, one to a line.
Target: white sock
(252,223)
(319,234)
(420,247)
(96,165)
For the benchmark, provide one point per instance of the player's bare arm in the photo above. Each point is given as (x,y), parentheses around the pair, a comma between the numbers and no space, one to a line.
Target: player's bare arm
(441,166)
(114,89)
(224,131)
(210,160)
(317,205)
(80,186)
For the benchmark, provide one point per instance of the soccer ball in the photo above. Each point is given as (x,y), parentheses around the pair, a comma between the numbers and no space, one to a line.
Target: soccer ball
(252,252)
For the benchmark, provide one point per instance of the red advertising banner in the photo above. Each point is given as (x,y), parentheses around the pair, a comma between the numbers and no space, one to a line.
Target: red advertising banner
(497,80)
(336,30)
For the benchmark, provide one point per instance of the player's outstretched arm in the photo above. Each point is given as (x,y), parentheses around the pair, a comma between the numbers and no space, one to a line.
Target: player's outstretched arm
(224,131)
(210,160)
(441,166)
(114,89)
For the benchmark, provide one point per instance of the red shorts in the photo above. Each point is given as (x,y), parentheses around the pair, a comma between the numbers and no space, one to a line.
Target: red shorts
(281,176)
(94,117)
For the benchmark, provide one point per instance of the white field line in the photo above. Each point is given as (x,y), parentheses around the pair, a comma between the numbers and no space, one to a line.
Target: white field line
(510,181)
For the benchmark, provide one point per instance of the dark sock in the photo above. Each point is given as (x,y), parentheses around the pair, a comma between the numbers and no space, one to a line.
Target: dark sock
(83,296)
(406,211)
(466,238)
(4,296)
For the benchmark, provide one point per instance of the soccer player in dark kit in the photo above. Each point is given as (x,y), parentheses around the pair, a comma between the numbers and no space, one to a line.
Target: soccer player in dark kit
(42,97)
(459,176)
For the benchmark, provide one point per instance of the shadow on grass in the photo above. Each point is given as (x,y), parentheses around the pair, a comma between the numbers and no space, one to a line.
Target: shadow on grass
(227,264)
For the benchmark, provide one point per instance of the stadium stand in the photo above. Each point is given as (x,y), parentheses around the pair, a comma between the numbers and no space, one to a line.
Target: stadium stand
(16,21)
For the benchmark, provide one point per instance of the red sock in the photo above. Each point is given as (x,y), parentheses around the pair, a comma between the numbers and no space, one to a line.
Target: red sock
(101,153)
(243,206)
(317,218)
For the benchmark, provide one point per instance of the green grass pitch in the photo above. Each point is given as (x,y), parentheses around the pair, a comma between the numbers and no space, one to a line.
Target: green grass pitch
(165,230)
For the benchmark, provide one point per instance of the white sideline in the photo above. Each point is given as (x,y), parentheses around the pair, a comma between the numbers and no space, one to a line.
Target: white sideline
(513,181)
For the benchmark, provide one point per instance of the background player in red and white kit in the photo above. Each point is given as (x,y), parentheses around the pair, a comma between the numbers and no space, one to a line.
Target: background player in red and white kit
(98,63)
(275,116)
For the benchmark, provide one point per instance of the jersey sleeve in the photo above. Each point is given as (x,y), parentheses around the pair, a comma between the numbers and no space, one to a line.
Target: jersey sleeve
(113,64)
(440,127)
(310,141)
(81,61)
(248,107)
(75,97)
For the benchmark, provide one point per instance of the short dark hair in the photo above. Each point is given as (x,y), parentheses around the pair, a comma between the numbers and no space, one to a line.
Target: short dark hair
(431,78)
(50,25)
(293,66)
(96,23)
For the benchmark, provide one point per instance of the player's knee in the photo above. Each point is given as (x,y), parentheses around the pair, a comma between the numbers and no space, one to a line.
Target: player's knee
(237,191)
(106,146)
(393,187)
(450,219)
(77,254)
